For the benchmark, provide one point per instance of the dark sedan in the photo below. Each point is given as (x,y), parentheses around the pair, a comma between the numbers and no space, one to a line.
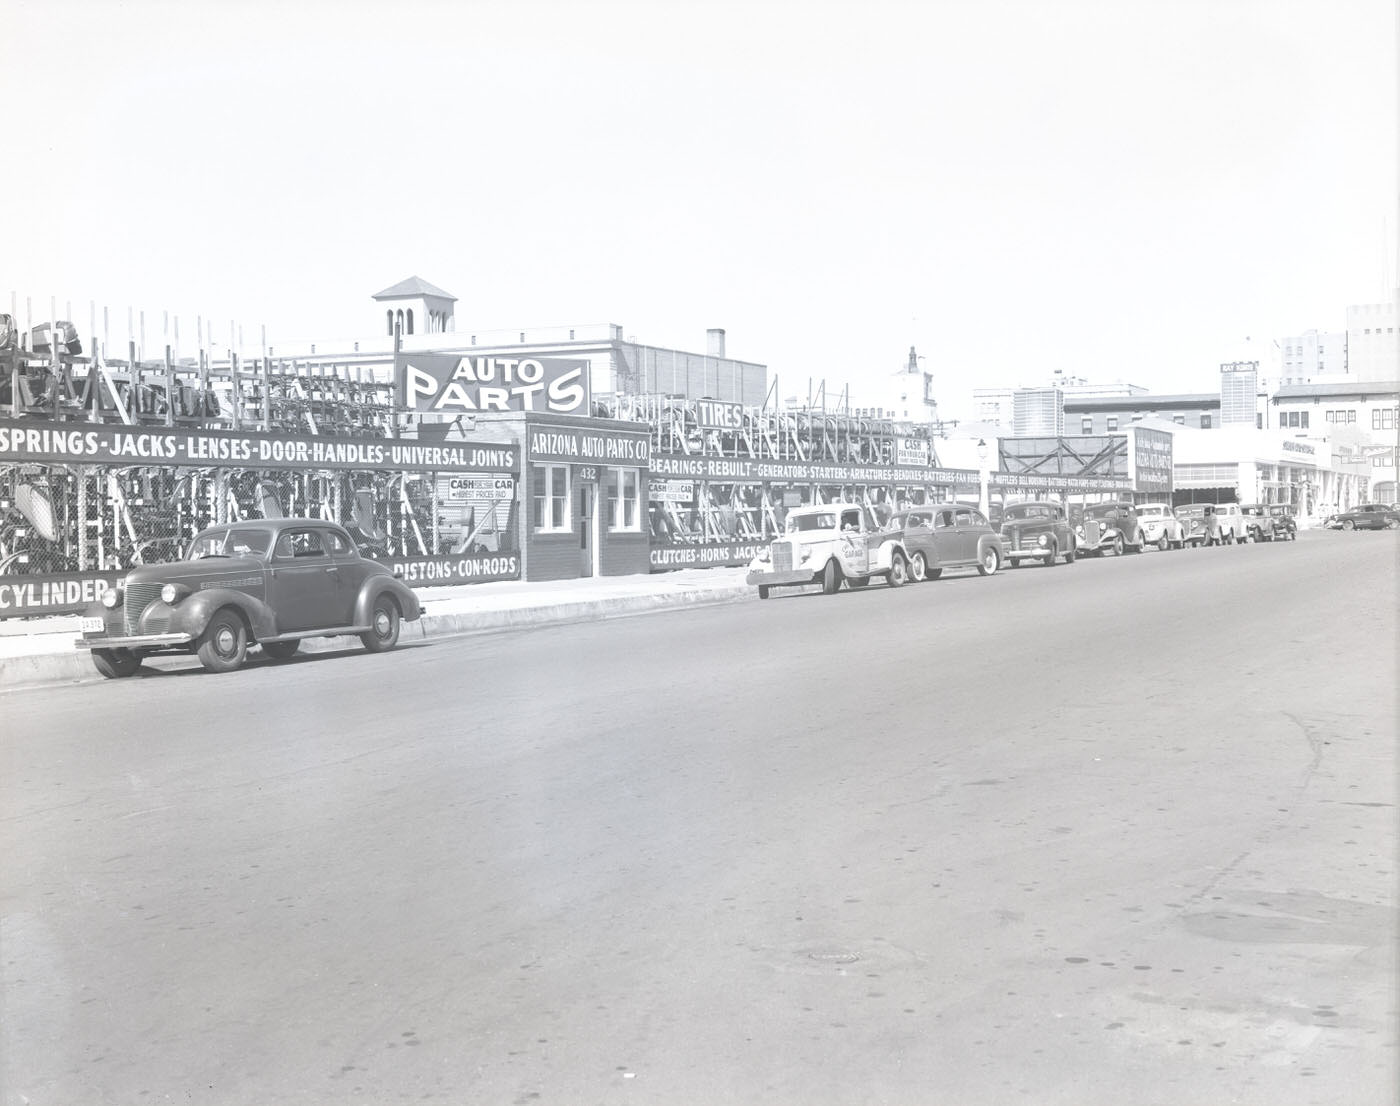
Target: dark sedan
(268,582)
(948,536)
(1365,516)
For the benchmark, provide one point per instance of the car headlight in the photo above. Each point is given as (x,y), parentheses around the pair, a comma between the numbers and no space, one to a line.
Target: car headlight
(112,598)
(1043,540)
(173,593)
(764,555)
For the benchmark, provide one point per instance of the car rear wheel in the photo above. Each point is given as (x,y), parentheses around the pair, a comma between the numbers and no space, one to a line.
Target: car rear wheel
(1347,524)
(224,643)
(831,578)
(1069,557)
(990,562)
(116,664)
(918,568)
(280,650)
(1049,562)
(899,572)
(383,632)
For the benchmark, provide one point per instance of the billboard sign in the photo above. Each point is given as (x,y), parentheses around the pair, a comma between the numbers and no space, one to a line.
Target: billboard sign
(456,384)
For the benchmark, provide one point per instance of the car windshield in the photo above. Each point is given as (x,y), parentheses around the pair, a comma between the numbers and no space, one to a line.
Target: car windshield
(1150,512)
(235,542)
(1109,510)
(1030,511)
(821,521)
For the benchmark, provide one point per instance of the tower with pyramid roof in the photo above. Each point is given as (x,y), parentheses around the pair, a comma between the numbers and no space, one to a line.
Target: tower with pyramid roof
(414,306)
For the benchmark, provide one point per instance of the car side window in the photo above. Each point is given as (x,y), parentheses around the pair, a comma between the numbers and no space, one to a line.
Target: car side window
(943,520)
(964,518)
(850,520)
(336,542)
(300,543)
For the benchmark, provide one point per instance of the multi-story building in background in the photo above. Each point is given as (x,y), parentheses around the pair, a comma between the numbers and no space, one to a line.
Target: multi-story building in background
(1239,393)
(1373,345)
(1038,413)
(1111,414)
(1304,357)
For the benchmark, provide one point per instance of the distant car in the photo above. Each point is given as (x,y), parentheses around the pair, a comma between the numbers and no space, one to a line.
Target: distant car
(829,544)
(267,582)
(1037,532)
(1233,527)
(1199,526)
(1285,521)
(1260,524)
(1160,526)
(948,536)
(1109,528)
(1365,516)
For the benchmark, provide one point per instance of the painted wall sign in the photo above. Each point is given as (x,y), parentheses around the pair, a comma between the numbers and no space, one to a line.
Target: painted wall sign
(65,593)
(714,414)
(1035,481)
(457,384)
(459,489)
(586,445)
(478,568)
(1299,447)
(705,556)
(1151,470)
(680,493)
(803,472)
(69,443)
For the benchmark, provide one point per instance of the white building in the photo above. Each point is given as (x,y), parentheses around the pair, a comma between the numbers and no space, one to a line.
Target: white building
(1360,421)
(1373,346)
(1303,357)
(904,395)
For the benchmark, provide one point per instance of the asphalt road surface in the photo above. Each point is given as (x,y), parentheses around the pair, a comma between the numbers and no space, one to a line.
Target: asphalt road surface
(1117,832)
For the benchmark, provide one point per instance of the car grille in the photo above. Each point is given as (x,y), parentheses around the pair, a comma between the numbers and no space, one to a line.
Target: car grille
(138,598)
(782,556)
(1092,532)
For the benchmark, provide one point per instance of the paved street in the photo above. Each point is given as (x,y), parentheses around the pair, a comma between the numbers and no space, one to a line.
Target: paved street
(1117,832)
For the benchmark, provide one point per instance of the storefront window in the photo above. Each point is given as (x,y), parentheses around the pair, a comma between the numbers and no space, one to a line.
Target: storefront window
(550,494)
(624,500)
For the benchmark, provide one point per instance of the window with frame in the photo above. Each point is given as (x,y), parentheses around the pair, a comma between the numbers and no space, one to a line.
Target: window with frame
(1086,424)
(550,495)
(1205,422)
(624,500)
(1112,422)
(1303,420)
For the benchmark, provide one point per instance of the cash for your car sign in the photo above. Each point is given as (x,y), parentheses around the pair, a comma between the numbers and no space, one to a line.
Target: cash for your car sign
(456,384)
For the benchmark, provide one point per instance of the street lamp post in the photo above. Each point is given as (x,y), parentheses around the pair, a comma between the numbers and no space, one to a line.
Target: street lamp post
(983,497)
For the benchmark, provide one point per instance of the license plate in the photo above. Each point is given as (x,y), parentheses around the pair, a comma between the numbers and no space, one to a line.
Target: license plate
(93,625)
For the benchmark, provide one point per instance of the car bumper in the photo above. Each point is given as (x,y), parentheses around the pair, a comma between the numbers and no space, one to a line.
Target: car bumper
(790,578)
(1033,554)
(137,641)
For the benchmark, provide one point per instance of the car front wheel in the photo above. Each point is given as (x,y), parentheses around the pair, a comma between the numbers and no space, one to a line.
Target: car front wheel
(1347,524)
(1118,545)
(763,591)
(831,578)
(116,664)
(383,632)
(990,562)
(224,643)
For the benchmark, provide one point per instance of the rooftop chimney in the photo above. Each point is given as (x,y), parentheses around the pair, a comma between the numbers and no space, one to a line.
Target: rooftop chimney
(716,337)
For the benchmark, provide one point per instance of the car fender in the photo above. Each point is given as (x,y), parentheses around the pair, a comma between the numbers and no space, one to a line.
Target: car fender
(409,607)
(192,614)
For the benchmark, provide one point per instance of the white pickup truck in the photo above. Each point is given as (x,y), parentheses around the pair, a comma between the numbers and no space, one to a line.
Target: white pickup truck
(828,544)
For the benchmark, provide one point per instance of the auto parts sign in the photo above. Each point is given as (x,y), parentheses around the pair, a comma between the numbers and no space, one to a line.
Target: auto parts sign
(462,384)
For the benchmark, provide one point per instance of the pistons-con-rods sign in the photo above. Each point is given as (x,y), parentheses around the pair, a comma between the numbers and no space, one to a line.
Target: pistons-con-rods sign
(459,384)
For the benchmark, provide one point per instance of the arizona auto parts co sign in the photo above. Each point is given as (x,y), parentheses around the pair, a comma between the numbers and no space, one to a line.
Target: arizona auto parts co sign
(454,384)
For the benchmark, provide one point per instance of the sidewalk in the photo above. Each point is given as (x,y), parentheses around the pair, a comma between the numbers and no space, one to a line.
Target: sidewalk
(38,651)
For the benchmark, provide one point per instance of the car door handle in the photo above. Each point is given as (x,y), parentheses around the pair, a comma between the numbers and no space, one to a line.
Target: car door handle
(332,568)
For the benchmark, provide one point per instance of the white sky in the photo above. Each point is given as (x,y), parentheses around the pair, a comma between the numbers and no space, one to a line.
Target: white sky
(1122,189)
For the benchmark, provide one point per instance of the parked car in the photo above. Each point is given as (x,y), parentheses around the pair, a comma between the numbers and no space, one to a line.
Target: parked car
(1037,532)
(948,536)
(1260,524)
(1285,521)
(1160,526)
(1233,527)
(1109,527)
(828,544)
(1365,516)
(1199,525)
(267,582)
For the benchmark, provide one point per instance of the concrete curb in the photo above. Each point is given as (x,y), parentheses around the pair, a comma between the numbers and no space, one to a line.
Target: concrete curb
(56,660)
